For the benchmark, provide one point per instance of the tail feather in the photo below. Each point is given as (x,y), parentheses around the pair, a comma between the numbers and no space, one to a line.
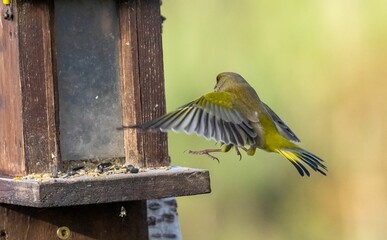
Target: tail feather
(298,156)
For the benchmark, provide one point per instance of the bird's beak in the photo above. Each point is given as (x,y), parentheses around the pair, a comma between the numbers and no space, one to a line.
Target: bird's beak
(216,88)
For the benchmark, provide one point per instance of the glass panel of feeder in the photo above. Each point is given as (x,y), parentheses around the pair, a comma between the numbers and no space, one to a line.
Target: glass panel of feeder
(87,40)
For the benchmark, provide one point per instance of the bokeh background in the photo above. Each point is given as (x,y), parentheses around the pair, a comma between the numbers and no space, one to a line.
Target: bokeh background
(322,66)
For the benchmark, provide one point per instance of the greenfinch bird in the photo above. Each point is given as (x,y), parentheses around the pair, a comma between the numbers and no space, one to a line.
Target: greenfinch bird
(234,116)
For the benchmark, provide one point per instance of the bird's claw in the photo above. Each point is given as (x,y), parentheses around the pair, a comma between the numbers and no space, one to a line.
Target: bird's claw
(238,153)
(203,152)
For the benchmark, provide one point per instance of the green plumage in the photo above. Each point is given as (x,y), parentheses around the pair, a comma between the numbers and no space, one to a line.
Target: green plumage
(235,116)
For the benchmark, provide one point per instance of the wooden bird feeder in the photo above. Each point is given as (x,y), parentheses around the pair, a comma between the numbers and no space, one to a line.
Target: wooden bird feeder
(71,72)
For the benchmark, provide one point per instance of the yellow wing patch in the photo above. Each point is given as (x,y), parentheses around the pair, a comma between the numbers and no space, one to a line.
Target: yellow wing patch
(222,99)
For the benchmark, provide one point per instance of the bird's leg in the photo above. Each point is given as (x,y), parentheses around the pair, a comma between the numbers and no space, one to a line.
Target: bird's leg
(226,148)
(238,153)
(250,151)
(207,152)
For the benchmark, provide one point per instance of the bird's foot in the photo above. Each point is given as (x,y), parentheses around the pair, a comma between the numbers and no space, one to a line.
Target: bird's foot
(206,152)
(250,151)
(238,153)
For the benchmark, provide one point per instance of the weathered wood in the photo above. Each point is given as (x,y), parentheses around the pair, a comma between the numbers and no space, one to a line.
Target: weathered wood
(151,78)
(142,80)
(130,85)
(11,130)
(142,86)
(36,74)
(28,131)
(103,221)
(57,192)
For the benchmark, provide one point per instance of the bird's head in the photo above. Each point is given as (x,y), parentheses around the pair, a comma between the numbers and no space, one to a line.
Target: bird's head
(227,81)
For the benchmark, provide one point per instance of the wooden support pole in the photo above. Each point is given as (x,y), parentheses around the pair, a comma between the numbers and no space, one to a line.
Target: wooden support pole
(27,112)
(35,22)
(142,80)
(11,127)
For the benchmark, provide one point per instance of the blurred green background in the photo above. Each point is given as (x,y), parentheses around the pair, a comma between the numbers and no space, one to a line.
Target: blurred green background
(322,66)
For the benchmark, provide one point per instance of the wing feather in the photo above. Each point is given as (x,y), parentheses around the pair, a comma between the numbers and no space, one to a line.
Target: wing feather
(191,126)
(283,129)
(210,119)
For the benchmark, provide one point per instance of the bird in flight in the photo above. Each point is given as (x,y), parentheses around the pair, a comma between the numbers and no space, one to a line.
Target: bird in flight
(234,116)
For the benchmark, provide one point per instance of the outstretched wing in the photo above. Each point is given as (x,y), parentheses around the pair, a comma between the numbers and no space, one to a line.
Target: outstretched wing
(211,116)
(283,129)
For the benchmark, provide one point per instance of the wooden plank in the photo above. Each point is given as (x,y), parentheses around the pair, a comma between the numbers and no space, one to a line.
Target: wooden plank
(102,221)
(142,80)
(11,130)
(55,192)
(35,21)
(130,85)
(151,73)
